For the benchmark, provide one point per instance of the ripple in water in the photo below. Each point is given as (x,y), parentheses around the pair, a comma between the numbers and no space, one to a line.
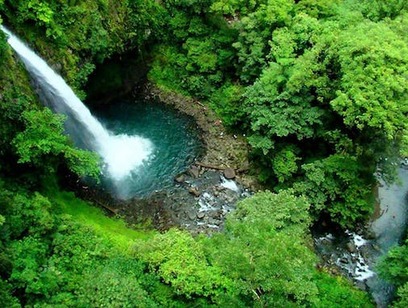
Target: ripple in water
(153,143)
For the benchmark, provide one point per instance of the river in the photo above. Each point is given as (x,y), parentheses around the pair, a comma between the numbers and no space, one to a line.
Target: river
(356,256)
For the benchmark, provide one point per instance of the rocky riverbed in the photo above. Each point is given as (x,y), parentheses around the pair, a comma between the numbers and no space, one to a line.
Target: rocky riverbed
(356,254)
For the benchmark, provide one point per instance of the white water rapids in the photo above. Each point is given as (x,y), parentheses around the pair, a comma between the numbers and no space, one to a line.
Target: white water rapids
(121,154)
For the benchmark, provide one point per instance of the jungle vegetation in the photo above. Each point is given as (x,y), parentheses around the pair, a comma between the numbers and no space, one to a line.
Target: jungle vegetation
(320,89)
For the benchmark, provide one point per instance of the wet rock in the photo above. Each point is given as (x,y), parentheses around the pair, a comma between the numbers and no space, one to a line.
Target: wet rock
(200,215)
(194,191)
(351,247)
(370,234)
(215,214)
(213,221)
(194,172)
(180,179)
(229,173)
(191,215)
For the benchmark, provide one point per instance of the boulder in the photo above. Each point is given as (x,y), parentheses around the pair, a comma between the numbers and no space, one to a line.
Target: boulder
(200,215)
(194,172)
(351,247)
(179,179)
(229,173)
(194,191)
(191,215)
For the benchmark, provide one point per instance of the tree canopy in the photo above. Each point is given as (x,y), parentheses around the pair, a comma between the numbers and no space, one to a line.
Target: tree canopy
(318,87)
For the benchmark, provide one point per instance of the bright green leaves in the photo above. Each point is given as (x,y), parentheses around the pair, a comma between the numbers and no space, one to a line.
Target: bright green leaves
(43,135)
(373,90)
(285,164)
(275,112)
(381,9)
(196,54)
(227,102)
(394,268)
(263,250)
(232,7)
(261,257)
(28,255)
(43,141)
(27,215)
(202,55)
(181,262)
(335,92)
(35,10)
(115,283)
(337,185)
(337,292)
(255,32)
(269,212)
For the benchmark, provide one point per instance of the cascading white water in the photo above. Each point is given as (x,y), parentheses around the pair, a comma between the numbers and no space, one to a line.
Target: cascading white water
(122,154)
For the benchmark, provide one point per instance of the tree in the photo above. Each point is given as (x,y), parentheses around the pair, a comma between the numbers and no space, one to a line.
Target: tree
(42,143)
(336,185)
(394,268)
(263,250)
(180,261)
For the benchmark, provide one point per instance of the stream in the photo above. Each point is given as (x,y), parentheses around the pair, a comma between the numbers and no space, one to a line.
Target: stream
(356,256)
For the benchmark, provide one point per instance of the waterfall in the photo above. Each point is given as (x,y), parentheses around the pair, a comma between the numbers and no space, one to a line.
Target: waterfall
(121,154)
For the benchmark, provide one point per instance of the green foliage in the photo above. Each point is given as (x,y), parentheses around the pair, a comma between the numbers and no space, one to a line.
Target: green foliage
(52,260)
(232,7)
(402,294)
(6,299)
(105,28)
(26,215)
(3,46)
(180,261)
(114,230)
(336,185)
(227,102)
(318,8)
(255,32)
(394,268)
(290,213)
(43,139)
(373,89)
(285,164)
(381,9)
(115,284)
(263,250)
(272,113)
(261,259)
(337,292)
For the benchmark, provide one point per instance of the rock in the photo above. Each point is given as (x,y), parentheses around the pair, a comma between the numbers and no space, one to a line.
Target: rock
(194,172)
(215,214)
(180,178)
(229,173)
(351,247)
(194,191)
(200,215)
(191,215)
(212,221)
(370,235)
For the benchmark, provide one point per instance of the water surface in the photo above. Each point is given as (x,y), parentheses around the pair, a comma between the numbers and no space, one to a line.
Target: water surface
(175,138)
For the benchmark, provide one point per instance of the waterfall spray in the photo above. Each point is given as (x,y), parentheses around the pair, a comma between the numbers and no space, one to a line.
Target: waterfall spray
(122,154)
